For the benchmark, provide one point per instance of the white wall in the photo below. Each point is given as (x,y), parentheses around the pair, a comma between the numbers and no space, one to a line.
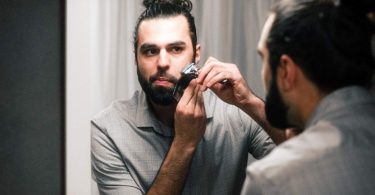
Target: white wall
(78,106)
(99,69)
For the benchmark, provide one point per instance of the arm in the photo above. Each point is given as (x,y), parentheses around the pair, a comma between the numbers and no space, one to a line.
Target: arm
(254,107)
(236,92)
(190,126)
(108,169)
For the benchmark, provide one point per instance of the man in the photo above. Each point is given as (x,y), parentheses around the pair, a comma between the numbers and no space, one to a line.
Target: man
(152,144)
(317,66)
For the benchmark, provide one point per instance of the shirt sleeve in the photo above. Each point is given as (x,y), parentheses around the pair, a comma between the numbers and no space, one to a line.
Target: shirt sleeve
(260,143)
(108,169)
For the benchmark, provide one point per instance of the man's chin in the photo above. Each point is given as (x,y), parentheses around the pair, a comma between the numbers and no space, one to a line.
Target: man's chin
(276,110)
(162,100)
(161,96)
(162,89)
(276,120)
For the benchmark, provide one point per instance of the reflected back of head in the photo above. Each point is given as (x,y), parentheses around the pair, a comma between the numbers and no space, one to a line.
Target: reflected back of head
(330,41)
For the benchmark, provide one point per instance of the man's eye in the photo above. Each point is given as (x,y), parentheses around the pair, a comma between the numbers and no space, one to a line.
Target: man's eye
(150,52)
(177,49)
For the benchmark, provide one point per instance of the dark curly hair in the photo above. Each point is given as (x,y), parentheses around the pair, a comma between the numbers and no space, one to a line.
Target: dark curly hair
(330,41)
(166,8)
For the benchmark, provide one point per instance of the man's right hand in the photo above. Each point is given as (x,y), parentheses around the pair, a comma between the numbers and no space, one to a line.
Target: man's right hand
(190,125)
(190,116)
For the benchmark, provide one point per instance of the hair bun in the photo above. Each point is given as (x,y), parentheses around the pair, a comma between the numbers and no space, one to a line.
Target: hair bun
(148,3)
(185,4)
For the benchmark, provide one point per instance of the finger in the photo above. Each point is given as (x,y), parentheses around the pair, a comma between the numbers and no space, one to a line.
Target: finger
(205,69)
(217,69)
(200,103)
(218,87)
(218,78)
(203,72)
(188,93)
(194,99)
(213,72)
(203,88)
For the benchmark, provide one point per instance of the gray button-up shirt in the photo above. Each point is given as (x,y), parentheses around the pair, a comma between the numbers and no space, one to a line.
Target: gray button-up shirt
(129,145)
(334,155)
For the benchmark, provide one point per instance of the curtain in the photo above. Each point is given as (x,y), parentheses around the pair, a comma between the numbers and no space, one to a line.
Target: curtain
(114,73)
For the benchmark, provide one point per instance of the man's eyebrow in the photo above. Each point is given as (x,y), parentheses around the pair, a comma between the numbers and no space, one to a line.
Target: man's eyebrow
(147,46)
(151,46)
(177,43)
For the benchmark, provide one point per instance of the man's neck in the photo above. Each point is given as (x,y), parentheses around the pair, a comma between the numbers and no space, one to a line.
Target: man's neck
(165,114)
(308,103)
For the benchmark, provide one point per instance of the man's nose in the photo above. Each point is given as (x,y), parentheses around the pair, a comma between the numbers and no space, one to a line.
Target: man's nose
(164,61)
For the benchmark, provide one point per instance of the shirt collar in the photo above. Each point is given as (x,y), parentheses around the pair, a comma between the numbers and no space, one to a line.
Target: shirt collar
(337,100)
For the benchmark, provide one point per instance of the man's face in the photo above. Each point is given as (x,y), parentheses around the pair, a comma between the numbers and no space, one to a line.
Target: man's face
(276,109)
(165,48)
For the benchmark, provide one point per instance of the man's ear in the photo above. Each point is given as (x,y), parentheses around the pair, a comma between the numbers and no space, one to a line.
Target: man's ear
(287,73)
(197,54)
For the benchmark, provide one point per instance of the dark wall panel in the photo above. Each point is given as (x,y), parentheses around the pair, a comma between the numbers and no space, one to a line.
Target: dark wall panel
(32,96)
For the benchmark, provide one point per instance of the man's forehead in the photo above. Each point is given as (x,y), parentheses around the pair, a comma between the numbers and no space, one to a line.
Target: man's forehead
(266,31)
(162,28)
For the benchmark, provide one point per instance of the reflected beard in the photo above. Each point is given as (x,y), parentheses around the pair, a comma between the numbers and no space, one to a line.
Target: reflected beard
(275,108)
(159,95)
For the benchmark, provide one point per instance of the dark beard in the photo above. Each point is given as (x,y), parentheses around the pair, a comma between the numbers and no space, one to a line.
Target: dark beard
(276,110)
(158,95)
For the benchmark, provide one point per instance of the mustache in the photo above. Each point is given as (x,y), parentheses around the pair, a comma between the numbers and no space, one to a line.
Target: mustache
(165,76)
